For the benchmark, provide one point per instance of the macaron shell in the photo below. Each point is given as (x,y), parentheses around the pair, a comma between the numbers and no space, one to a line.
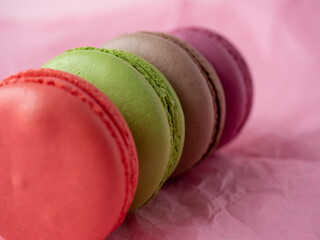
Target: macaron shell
(112,113)
(232,71)
(169,100)
(189,82)
(139,105)
(59,184)
(214,85)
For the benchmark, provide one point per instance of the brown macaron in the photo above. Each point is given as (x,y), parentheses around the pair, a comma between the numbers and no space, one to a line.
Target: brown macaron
(195,82)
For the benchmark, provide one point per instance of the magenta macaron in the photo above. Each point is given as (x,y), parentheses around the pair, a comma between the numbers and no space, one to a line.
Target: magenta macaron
(232,70)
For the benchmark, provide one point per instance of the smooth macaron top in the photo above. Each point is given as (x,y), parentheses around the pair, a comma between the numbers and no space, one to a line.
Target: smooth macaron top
(69,167)
(146,100)
(195,82)
(232,71)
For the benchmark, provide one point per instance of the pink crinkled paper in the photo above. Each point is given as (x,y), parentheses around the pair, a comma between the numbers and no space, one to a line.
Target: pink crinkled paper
(266,183)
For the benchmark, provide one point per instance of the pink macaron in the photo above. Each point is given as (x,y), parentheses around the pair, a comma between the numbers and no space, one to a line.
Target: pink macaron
(233,72)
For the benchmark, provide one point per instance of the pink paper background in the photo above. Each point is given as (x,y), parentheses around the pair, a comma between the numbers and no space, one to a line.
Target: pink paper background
(266,183)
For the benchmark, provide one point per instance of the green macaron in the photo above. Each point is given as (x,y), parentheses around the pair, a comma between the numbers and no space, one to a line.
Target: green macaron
(146,100)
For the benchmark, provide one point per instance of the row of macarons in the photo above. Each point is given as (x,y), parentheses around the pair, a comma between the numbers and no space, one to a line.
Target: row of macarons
(99,130)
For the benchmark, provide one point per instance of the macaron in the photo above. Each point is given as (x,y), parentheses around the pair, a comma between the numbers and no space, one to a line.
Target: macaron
(233,73)
(195,82)
(69,166)
(146,100)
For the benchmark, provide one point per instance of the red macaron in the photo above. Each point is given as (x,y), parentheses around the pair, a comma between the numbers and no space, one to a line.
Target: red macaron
(69,166)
